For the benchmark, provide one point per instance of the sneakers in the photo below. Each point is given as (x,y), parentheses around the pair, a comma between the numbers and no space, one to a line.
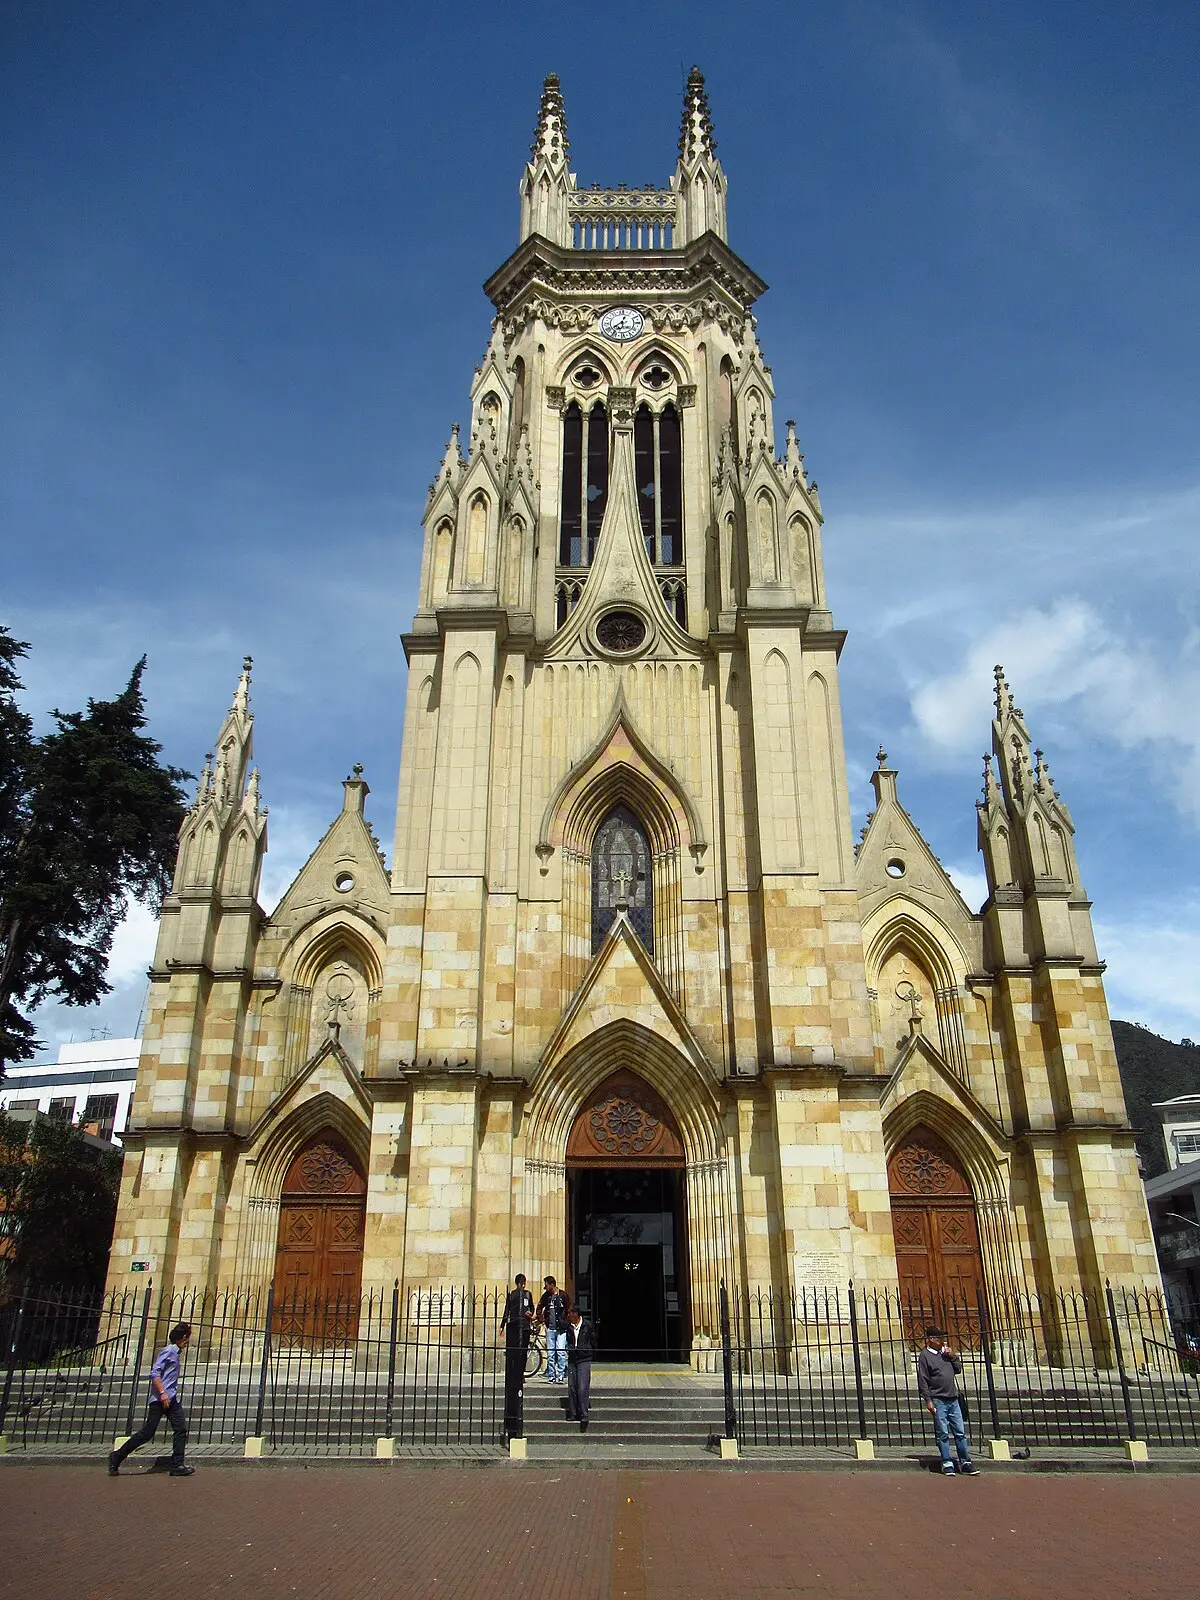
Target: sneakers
(583,1425)
(968,1469)
(182,1472)
(114,1464)
(947,1469)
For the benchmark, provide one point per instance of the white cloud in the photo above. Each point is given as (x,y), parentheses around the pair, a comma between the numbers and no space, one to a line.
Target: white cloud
(1153,972)
(971,882)
(1067,656)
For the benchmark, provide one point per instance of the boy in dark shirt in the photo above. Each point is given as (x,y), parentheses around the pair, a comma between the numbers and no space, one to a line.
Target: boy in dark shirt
(938,1368)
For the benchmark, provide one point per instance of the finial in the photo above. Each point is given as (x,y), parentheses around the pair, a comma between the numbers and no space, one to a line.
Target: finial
(550,142)
(881,757)
(357,769)
(1004,699)
(696,140)
(241,695)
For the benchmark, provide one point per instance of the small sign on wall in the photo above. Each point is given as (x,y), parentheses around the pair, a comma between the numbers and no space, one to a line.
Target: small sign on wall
(142,1264)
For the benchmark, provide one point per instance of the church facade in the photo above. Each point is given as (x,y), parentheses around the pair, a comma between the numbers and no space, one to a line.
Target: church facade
(629,1005)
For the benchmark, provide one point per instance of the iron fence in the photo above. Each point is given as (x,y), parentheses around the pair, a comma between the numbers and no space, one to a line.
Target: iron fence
(423,1368)
(814,1367)
(1075,1368)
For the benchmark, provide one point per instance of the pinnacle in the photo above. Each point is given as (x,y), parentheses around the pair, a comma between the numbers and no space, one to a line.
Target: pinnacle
(550,142)
(241,696)
(1004,699)
(696,133)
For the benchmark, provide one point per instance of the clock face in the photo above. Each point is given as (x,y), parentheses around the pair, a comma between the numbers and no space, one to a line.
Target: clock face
(622,323)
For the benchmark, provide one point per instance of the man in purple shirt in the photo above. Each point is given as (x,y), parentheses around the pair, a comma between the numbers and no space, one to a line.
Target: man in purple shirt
(164,1401)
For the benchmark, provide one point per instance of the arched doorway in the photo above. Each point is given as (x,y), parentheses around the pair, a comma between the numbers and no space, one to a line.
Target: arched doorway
(318,1257)
(627,1222)
(937,1234)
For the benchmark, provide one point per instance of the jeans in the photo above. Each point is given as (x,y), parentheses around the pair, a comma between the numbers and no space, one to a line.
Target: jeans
(556,1355)
(947,1419)
(154,1415)
(579,1391)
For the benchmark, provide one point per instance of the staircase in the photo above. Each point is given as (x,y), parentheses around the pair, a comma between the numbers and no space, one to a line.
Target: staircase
(650,1414)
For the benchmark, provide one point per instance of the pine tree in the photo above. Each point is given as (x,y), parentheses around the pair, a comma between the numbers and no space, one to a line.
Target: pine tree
(88,818)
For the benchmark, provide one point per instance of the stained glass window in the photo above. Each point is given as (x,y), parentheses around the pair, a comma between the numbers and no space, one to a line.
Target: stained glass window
(621,877)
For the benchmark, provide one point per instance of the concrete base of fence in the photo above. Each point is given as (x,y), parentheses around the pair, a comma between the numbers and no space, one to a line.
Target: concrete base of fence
(864,1449)
(999,1449)
(254,1446)
(518,1450)
(1135,1450)
(385,1449)
(729,1449)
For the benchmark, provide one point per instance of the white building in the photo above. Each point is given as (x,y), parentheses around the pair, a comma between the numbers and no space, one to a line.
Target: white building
(90,1084)
(1181,1128)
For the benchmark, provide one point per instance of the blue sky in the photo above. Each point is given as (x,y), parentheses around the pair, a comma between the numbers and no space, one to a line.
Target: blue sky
(241,250)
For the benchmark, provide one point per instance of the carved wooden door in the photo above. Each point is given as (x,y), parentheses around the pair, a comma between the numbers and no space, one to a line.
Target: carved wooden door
(938,1257)
(318,1262)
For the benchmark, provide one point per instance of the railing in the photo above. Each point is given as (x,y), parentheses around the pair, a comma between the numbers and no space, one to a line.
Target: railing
(425,1368)
(1073,1368)
(623,219)
(810,1367)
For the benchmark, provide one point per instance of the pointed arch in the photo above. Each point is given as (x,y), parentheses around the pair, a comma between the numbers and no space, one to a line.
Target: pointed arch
(767,531)
(443,561)
(477,531)
(282,1141)
(988,1167)
(562,1088)
(621,768)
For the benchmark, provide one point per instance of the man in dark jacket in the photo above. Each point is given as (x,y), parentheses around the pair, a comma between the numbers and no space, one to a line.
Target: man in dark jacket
(552,1312)
(938,1368)
(581,1347)
(517,1323)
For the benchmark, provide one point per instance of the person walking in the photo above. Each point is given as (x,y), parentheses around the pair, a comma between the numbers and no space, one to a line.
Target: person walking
(581,1347)
(517,1324)
(938,1368)
(553,1309)
(164,1402)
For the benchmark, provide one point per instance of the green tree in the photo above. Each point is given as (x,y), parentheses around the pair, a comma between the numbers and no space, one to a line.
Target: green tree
(89,817)
(58,1203)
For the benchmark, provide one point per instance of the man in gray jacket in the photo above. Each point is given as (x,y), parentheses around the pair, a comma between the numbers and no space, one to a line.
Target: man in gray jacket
(938,1368)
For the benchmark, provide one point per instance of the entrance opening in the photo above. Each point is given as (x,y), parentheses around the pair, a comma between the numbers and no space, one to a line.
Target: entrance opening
(318,1259)
(627,1223)
(938,1257)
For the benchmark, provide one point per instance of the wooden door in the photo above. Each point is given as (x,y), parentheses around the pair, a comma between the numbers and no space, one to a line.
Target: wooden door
(318,1259)
(938,1258)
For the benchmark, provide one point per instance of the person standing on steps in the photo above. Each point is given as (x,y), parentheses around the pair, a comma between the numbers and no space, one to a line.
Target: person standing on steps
(164,1402)
(581,1347)
(517,1323)
(552,1311)
(938,1368)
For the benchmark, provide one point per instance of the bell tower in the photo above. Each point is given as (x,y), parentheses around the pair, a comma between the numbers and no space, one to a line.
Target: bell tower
(622,605)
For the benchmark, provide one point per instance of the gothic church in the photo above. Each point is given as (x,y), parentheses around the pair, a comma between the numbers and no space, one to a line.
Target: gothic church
(629,1006)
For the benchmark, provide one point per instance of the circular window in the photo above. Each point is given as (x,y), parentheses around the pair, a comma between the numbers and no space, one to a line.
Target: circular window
(344,882)
(656,377)
(895,868)
(586,377)
(621,631)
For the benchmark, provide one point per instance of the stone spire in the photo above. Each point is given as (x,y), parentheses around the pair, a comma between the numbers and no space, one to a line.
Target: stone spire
(696,142)
(1025,830)
(547,182)
(550,143)
(698,181)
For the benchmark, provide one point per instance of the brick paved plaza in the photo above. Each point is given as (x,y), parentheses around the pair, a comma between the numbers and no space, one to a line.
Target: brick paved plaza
(339,1533)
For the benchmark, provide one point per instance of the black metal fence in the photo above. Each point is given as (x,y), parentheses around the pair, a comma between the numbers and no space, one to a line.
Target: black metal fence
(815,1368)
(425,1368)
(1076,1368)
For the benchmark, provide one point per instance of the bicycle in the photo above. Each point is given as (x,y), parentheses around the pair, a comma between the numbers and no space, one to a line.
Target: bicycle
(535,1353)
